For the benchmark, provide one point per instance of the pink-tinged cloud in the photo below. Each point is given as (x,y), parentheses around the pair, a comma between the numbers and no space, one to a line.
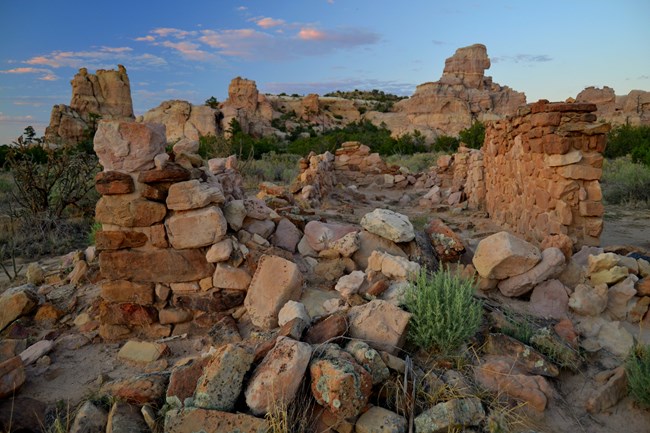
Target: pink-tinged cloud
(310,34)
(25,71)
(176,33)
(46,74)
(267,22)
(188,50)
(242,8)
(148,38)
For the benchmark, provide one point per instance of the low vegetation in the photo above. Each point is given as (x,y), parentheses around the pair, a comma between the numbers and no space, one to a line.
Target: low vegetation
(383,102)
(637,368)
(445,312)
(629,140)
(626,182)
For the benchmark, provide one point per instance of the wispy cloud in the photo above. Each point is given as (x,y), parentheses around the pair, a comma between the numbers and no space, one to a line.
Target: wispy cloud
(260,44)
(322,87)
(523,58)
(5,118)
(169,31)
(242,8)
(45,74)
(103,57)
(148,38)
(188,50)
(267,22)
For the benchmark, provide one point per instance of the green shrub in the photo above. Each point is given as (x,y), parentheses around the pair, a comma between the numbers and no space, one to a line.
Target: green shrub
(474,136)
(637,368)
(445,312)
(626,182)
(445,143)
(629,140)
(416,163)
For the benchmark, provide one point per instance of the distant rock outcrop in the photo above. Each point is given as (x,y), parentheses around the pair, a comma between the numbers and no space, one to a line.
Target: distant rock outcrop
(633,108)
(445,107)
(251,109)
(105,94)
(184,120)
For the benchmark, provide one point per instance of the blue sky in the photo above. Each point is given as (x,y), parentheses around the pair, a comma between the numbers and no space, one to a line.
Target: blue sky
(191,50)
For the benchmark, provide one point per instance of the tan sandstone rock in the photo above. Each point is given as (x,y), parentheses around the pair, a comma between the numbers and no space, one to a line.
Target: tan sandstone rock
(503,255)
(275,282)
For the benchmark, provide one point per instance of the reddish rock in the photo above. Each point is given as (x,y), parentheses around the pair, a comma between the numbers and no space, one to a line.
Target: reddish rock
(213,301)
(191,420)
(503,255)
(498,375)
(155,192)
(550,299)
(643,287)
(127,291)
(117,240)
(114,182)
(170,265)
(126,314)
(171,172)
(338,383)
(12,376)
(564,328)
(140,389)
(193,194)
(48,315)
(447,245)
(523,356)
(182,381)
(329,329)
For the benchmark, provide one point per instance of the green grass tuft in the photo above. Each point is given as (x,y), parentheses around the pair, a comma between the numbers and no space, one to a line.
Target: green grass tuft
(637,368)
(445,312)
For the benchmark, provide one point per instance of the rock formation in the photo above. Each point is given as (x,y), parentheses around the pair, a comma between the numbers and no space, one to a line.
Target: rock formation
(251,109)
(106,95)
(184,120)
(633,108)
(462,95)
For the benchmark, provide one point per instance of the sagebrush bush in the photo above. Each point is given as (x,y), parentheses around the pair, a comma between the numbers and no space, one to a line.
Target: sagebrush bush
(445,312)
(637,368)
(626,182)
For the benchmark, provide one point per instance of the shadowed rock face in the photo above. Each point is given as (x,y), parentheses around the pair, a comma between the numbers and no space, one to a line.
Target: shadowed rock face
(105,94)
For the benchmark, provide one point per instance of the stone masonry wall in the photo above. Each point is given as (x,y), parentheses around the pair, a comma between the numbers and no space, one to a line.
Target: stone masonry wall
(542,169)
(170,249)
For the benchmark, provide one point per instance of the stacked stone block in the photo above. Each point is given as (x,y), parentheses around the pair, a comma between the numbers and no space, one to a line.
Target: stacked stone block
(542,171)
(164,247)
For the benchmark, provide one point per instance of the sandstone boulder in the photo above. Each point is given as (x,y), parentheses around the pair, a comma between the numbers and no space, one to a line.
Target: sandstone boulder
(589,301)
(503,255)
(450,415)
(182,227)
(379,323)
(370,242)
(550,299)
(551,265)
(221,383)
(191,420)
(193,194)
(125,211)
(320,235)
(338,383)
(389,225)
(275,282)
(16,302)
(277,379)
(128,146)
(171,265)
(377,419)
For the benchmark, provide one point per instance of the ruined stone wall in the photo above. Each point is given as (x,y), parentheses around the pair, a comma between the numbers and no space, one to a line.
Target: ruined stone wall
(165,250)
(542,170)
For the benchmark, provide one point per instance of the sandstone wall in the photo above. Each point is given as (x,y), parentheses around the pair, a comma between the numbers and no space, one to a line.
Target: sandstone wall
(542,169)
(164,249)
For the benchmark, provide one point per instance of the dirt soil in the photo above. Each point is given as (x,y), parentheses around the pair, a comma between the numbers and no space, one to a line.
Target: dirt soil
(74,374)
